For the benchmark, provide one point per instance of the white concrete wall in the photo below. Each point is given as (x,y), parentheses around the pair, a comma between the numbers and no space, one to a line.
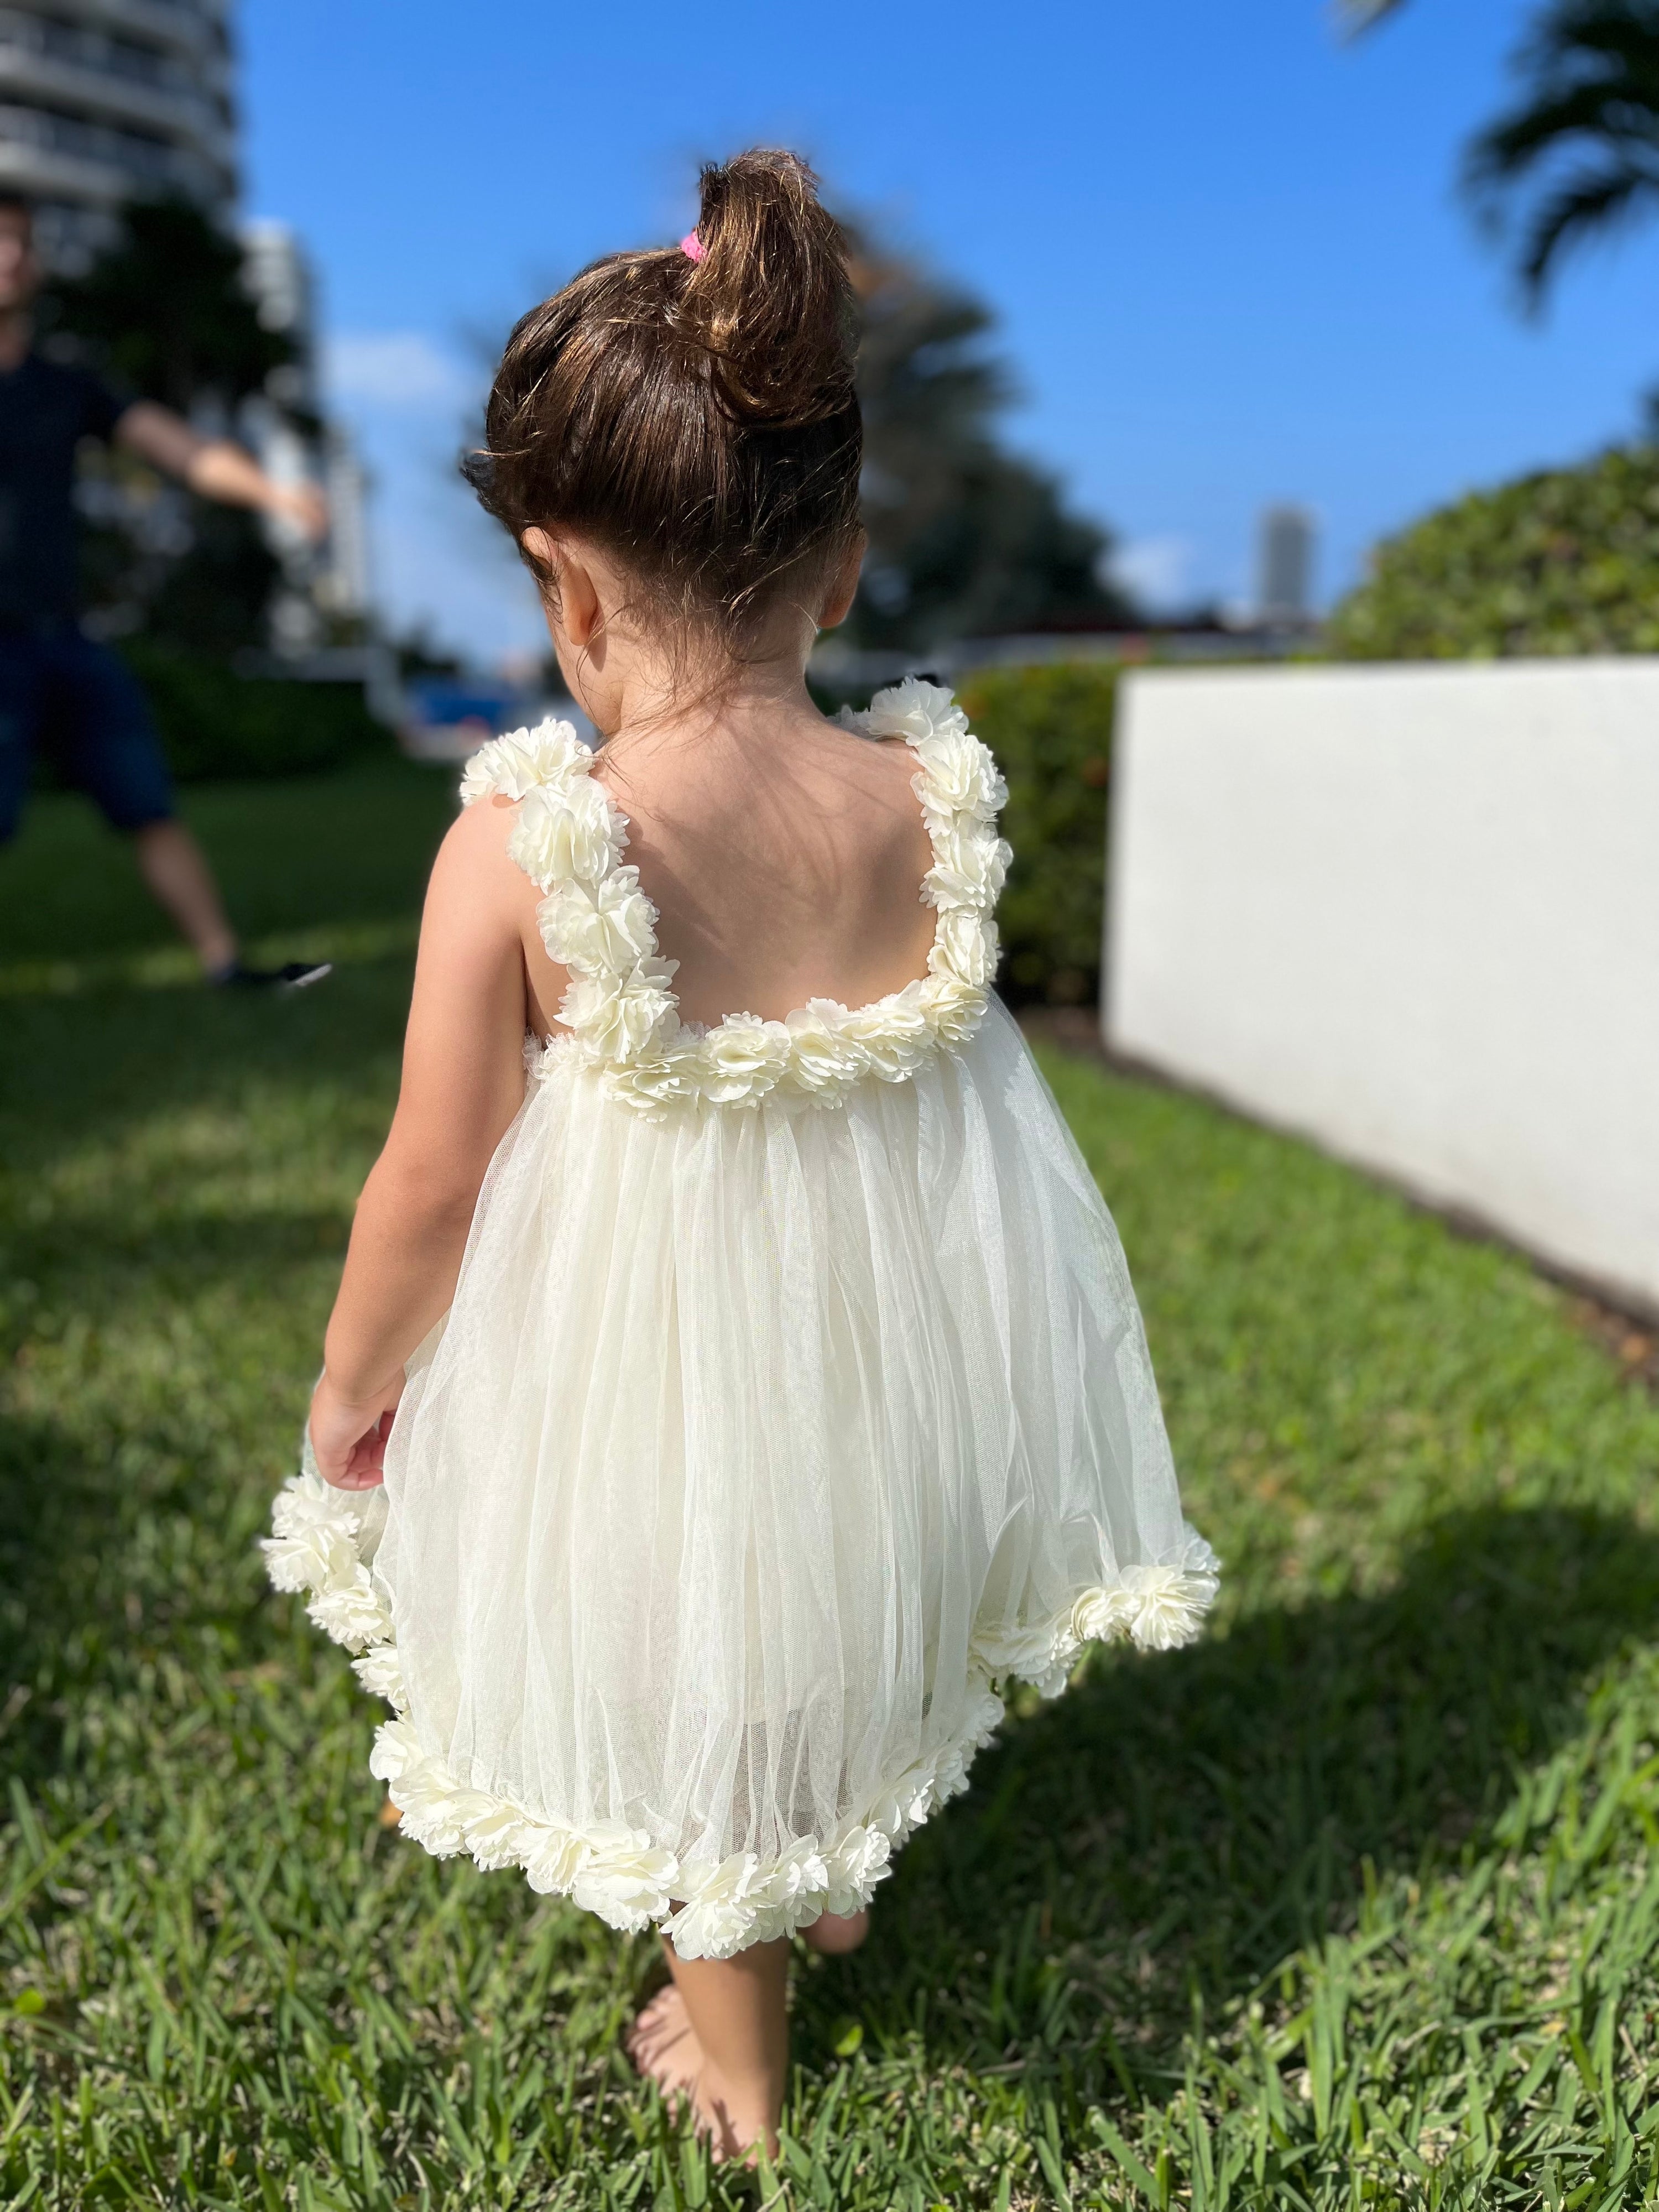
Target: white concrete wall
(1412,912)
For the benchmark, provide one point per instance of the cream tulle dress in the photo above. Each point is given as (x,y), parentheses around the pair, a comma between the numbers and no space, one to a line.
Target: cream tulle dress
(792,1404)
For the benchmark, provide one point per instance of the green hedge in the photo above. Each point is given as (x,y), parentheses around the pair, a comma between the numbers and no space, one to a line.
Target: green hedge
(1051,731)
(1561,562)
(214,723)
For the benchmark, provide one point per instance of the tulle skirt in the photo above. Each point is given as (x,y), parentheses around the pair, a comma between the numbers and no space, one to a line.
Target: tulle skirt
(759,1452)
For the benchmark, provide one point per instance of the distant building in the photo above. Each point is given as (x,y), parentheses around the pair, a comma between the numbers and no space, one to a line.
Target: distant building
(1284,567)
(102,100)
(328,583)
(346,586)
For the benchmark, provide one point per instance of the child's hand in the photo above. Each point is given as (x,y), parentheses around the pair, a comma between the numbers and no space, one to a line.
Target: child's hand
(348,1435)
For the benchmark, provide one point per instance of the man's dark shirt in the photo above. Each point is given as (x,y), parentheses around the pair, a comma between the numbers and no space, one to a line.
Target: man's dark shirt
(45,409)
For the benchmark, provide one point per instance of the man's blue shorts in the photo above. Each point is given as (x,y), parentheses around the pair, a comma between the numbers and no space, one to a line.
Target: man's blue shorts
(82,704)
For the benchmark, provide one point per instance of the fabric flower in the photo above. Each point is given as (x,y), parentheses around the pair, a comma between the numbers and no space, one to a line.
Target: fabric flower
(953,1009)
(965,947)
(351,1611)
(553,1857)
(985,1717)
(958,777)
(542,1058)
(1043,1655)
(435,1809)
(395,1745)
(824,1060)
(558,834)
(315,1535)
(742,1059)
(381,1674)
(856,1863)
(310,1557)
(518,762)
(892,1034)
(914,709)
(649,1087)
(718,1913)
(609,925)
(1102,1616)
(790,1890)
(903,1807)
(1160,1605)
(437,1813)
(1170,1606)
(624,1878)
(969,869)
(616,1016)
(502,1835)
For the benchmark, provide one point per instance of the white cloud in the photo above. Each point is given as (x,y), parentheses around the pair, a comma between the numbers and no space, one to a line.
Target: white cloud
(395,368)
(1153,570)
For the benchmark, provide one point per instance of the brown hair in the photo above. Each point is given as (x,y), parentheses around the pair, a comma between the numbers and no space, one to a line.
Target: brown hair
(695,418)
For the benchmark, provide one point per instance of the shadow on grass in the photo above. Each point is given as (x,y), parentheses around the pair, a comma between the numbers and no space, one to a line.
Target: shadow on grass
(1186,1821)
(118,1553)
(99,1270)
(86,1070)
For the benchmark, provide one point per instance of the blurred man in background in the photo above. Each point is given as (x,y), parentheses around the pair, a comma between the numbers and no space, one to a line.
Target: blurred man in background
(55,681)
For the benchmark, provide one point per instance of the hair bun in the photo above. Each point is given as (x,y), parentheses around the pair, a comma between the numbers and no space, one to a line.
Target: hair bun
(770,301)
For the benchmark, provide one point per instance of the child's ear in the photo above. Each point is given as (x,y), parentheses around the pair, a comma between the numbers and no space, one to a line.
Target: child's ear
(843,584)
(574,591)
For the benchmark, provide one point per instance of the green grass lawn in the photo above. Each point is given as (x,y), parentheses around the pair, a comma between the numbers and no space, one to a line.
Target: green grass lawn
(1353,1903)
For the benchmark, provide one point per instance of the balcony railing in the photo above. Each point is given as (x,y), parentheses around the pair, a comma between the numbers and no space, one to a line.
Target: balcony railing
(76,85)
(196,27)
(110,53)
(142,158)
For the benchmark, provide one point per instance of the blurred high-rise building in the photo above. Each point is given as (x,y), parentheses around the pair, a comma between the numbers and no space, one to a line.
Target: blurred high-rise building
(330,582)
(104,100)
(1285,565)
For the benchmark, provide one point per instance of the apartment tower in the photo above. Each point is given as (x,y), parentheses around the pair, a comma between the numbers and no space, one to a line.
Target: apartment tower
(105,101)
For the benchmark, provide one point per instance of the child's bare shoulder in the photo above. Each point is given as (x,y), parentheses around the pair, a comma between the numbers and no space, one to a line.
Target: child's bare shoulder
(474,863)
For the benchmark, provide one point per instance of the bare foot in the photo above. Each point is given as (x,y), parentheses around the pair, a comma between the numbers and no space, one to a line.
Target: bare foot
(832,1933)
(664,2047)
(735,2128)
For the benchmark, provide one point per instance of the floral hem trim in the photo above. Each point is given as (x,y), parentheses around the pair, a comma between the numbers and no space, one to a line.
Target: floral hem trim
(623,1874)
(621,1010)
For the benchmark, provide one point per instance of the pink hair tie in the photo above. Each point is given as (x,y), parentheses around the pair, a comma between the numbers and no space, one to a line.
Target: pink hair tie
(692,247)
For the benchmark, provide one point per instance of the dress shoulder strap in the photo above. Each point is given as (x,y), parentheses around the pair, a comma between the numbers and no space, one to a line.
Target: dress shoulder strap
(962,791)
(566,828)
(568,836)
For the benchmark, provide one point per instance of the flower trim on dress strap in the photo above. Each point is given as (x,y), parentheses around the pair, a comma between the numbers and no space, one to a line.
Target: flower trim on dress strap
(707,1910)
(595,920)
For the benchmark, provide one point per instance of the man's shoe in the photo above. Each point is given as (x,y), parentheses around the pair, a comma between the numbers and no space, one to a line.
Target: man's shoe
(295,976)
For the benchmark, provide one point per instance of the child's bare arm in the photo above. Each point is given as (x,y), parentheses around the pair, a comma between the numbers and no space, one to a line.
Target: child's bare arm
(463,1082)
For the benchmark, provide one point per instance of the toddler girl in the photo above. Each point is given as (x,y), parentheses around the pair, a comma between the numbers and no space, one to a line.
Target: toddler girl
(748,1359)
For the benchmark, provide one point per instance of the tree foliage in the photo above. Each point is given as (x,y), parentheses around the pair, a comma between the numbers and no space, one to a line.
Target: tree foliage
(966,539)
(1051,731)
(1577,154)
(1564,561)
(167,312)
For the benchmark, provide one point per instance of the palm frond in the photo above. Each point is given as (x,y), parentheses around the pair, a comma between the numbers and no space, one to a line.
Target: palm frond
(1578,210)
(1578,153)
(1591,114)
(1354,17)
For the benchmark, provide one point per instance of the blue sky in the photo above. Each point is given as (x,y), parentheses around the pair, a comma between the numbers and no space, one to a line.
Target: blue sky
(1225,249)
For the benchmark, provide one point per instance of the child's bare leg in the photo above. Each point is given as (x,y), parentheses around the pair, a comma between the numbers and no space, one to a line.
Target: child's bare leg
(835,1933)
(735,2009)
